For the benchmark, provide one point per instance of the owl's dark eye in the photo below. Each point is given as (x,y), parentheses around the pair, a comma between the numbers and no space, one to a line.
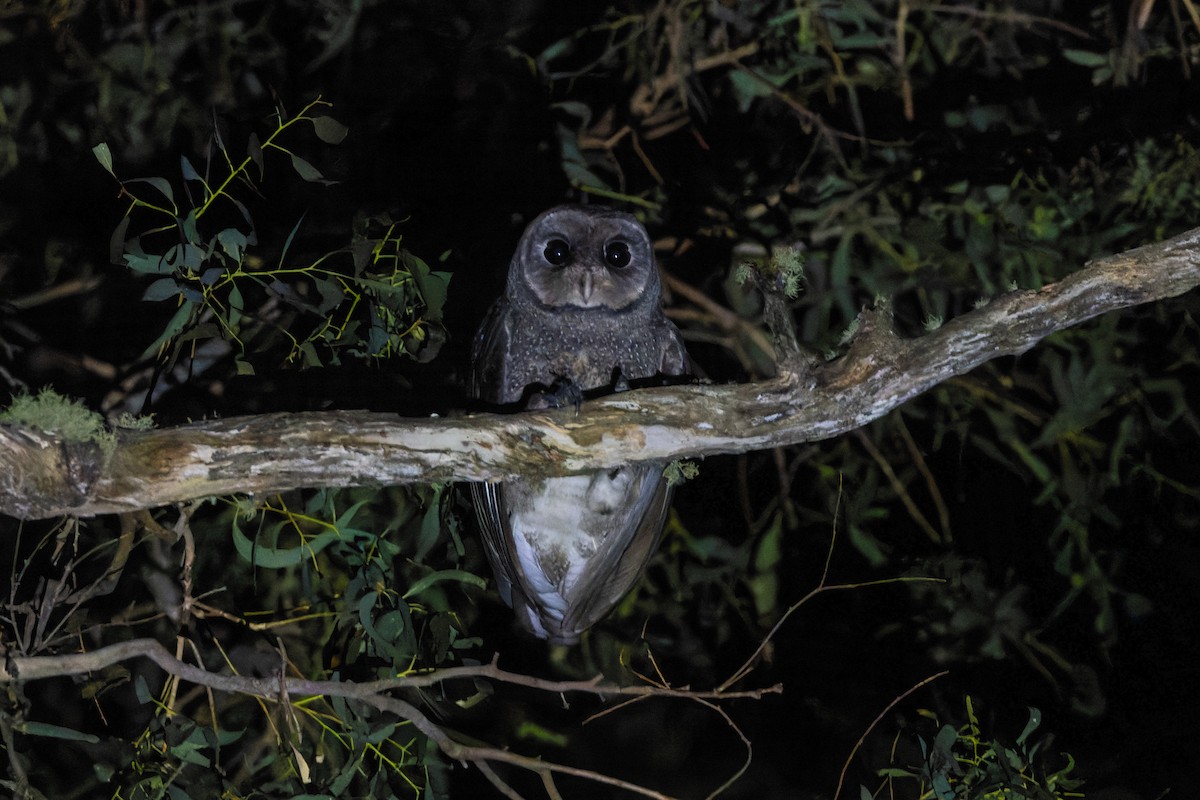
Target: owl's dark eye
(617,254)
(557,252)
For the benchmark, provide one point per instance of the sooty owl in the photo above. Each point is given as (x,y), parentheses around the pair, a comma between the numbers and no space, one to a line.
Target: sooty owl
(582,309)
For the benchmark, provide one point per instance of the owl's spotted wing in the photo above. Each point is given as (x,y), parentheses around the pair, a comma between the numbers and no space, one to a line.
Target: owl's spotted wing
(490,356)
(566,550)
(624,557)
(673,359)
(489,510)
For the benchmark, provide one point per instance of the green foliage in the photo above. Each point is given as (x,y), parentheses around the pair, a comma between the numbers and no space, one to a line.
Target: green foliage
(370,299)
(325,574)
(394,607)
(360,757)
(382,610)
(965,764)
(148,73)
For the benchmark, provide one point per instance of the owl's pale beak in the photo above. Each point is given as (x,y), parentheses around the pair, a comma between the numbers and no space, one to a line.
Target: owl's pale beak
(587,285)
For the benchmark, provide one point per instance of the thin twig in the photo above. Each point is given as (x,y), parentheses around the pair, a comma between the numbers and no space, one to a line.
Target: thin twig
(1013,17)
(898,486)
(871,727)
(725,318)
(745,741)
(748,664)
(922,466)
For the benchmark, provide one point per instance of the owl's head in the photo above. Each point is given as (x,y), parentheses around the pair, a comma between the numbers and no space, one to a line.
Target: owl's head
(585,257)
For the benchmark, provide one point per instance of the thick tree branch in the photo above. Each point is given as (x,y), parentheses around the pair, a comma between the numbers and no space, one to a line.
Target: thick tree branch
(42,476)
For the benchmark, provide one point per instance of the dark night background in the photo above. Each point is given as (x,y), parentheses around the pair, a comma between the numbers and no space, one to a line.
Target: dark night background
(1056,492)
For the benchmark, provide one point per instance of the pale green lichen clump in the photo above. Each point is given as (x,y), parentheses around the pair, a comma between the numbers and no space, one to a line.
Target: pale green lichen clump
(51,412)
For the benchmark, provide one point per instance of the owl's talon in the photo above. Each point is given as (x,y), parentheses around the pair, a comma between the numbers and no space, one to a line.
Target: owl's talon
(562,393)
(619,383)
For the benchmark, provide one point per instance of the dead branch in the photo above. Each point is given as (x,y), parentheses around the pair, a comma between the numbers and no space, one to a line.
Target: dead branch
(40,667)
(41,475)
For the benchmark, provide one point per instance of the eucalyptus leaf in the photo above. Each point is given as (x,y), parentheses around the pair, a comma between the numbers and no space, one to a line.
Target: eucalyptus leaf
(161,184)
(1035,720)
(104,155)
(309,356)
(233,242)
(254,150)
(116,242)
(161,289)
(308,172)
(1085,58)
(172,329)
(187,225)
(51,731)
(287,243)
(261,555)
(147,264)
(395,640)
(211,275)
(331,292)
(456,575)
(189,172)
(141,689)
(329,129)
(431,528)
(251,235)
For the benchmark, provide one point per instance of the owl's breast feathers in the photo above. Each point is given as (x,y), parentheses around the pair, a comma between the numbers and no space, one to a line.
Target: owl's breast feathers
(518,347)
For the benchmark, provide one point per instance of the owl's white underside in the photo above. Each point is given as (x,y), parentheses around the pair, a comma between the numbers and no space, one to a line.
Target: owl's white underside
(562,528)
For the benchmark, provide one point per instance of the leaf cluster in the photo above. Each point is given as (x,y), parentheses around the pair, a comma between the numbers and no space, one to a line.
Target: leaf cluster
(368,299)
(962,762)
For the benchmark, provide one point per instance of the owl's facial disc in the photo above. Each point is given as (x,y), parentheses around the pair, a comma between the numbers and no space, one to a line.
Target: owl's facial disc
(585,257)
(586,263)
